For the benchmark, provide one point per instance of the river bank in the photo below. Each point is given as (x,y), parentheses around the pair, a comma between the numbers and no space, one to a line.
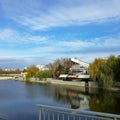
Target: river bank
(65,83)
(90,84)
(5,78)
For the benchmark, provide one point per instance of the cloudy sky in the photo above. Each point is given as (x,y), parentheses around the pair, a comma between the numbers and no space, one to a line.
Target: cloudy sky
(39,31)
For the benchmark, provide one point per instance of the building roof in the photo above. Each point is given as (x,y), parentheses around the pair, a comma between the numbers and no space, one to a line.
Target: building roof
(79,62)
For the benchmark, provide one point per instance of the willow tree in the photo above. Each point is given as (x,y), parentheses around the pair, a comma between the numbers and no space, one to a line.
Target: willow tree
(105,76)
(114,63)
(94,68)
(105,71)
(101,72)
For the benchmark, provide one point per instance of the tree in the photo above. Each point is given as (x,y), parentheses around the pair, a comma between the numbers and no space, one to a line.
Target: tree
(44,74)
(60,66)
(31,72)
(105,76)
(114,63)
(105,71)
(94,68)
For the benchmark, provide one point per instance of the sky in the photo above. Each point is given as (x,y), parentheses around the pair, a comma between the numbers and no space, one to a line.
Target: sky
(40,31)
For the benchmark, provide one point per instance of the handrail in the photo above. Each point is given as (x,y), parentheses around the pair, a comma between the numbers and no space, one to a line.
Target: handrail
(77,112)
(2,118)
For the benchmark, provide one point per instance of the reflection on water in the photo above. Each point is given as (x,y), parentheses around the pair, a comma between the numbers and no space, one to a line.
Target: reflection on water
(89,99)
(105,102)
(73,97)
(18,100)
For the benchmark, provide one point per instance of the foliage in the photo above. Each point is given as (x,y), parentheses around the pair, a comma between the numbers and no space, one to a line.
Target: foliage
(59,66)
(105,71)
(114,63)
(10,71)
(94,68)
(31,72)
(44,74)
(105,76)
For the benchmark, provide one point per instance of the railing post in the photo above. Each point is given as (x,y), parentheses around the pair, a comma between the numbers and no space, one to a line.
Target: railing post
(57,116)
(40,114)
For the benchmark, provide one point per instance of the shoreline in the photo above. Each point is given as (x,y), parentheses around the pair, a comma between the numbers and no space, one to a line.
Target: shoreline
(6,78)
(62,83)
(72,84)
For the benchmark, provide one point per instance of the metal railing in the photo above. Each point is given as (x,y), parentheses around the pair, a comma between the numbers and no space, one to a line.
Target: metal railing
(2,118)
(60,113)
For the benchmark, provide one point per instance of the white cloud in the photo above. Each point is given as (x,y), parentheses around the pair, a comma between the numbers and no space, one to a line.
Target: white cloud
(43,15)
(45,49)
(12,36)
(65,14)
(35,39)
(77,43)
(21,62)
(112,42)
(90,43)
(6,34)
(42,45)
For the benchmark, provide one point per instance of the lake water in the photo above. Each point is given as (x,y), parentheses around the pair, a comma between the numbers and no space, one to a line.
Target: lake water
(18,99)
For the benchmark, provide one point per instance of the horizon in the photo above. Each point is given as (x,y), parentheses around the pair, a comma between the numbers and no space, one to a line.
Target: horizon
(39,31)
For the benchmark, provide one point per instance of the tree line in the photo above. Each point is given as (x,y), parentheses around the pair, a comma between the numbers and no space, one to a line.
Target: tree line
(33,71)
(16,71)
(59,66)
(105,71)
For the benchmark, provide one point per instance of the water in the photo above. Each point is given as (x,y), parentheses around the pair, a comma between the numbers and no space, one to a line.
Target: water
(18,100)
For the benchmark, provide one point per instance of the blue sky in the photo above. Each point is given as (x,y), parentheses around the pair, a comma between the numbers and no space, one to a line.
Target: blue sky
(40,31)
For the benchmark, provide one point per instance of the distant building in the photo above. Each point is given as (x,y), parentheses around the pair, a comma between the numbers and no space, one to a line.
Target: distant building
(9,69)
(78,71)
(42,67)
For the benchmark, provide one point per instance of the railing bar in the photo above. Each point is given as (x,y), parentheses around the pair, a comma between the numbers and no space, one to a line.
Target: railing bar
(63,116)
(59,111)
(55,110)
(53,115)
(44,114)
(64,112)
(68,117)
(48,115)
(84,115)
(79,118)
(57,116)
(73,117)
(40,114)
(90,114)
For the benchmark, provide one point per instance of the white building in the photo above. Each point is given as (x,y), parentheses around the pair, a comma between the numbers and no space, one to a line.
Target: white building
(78,71)
(42,67)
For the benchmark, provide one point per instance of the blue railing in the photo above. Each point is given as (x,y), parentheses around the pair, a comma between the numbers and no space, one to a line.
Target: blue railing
(60,113)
